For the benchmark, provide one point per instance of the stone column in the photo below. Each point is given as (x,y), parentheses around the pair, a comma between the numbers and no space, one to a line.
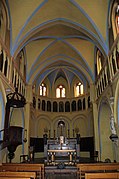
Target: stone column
(95,114)
(27,117)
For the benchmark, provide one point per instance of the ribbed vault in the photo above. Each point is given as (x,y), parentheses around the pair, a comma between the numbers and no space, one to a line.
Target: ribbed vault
(59,38)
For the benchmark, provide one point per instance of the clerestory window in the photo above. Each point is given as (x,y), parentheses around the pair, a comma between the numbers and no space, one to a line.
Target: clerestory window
(60,92)
(43,90)
(79,89)
(117,18)
(99,61)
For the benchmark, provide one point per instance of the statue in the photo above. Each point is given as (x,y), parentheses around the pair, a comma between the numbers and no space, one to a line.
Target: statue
(113,136)
(112,125)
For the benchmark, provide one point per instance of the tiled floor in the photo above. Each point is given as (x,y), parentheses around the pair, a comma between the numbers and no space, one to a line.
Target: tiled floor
(60,176)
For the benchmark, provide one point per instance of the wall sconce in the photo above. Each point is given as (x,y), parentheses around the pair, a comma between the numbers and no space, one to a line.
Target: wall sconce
(25,135)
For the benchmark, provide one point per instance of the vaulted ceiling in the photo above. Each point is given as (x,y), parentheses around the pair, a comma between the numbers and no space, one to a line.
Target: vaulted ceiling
(59,37)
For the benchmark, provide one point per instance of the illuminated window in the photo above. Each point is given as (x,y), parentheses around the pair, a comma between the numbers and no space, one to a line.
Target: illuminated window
(117,18)
(43,89)
(60,92)
(79,89)
(99,62)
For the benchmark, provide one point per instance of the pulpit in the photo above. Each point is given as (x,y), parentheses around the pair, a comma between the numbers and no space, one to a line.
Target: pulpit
(14,137)
(13,134)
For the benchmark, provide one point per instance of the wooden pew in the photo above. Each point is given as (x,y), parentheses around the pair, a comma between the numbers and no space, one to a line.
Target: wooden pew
(14,177)
(0,167)
(33,167)
(18,174)
(96,167)
(102,175)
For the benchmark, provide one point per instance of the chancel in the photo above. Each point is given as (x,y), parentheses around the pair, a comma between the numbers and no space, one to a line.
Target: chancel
(62,146)
(59,88)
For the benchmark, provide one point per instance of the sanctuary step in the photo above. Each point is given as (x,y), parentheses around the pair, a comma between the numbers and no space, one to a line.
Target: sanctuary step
(64,159)
(61,172)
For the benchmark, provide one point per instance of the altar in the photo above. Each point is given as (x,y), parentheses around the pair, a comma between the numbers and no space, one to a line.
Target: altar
(62,149)
(66,152)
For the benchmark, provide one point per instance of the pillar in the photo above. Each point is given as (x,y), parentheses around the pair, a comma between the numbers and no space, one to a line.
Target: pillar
(27,117)
(95,115)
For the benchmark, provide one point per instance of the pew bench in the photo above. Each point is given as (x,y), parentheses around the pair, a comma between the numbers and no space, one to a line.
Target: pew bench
(14,177)
(102,175)
(27,167)
(18,174)
(96,168)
